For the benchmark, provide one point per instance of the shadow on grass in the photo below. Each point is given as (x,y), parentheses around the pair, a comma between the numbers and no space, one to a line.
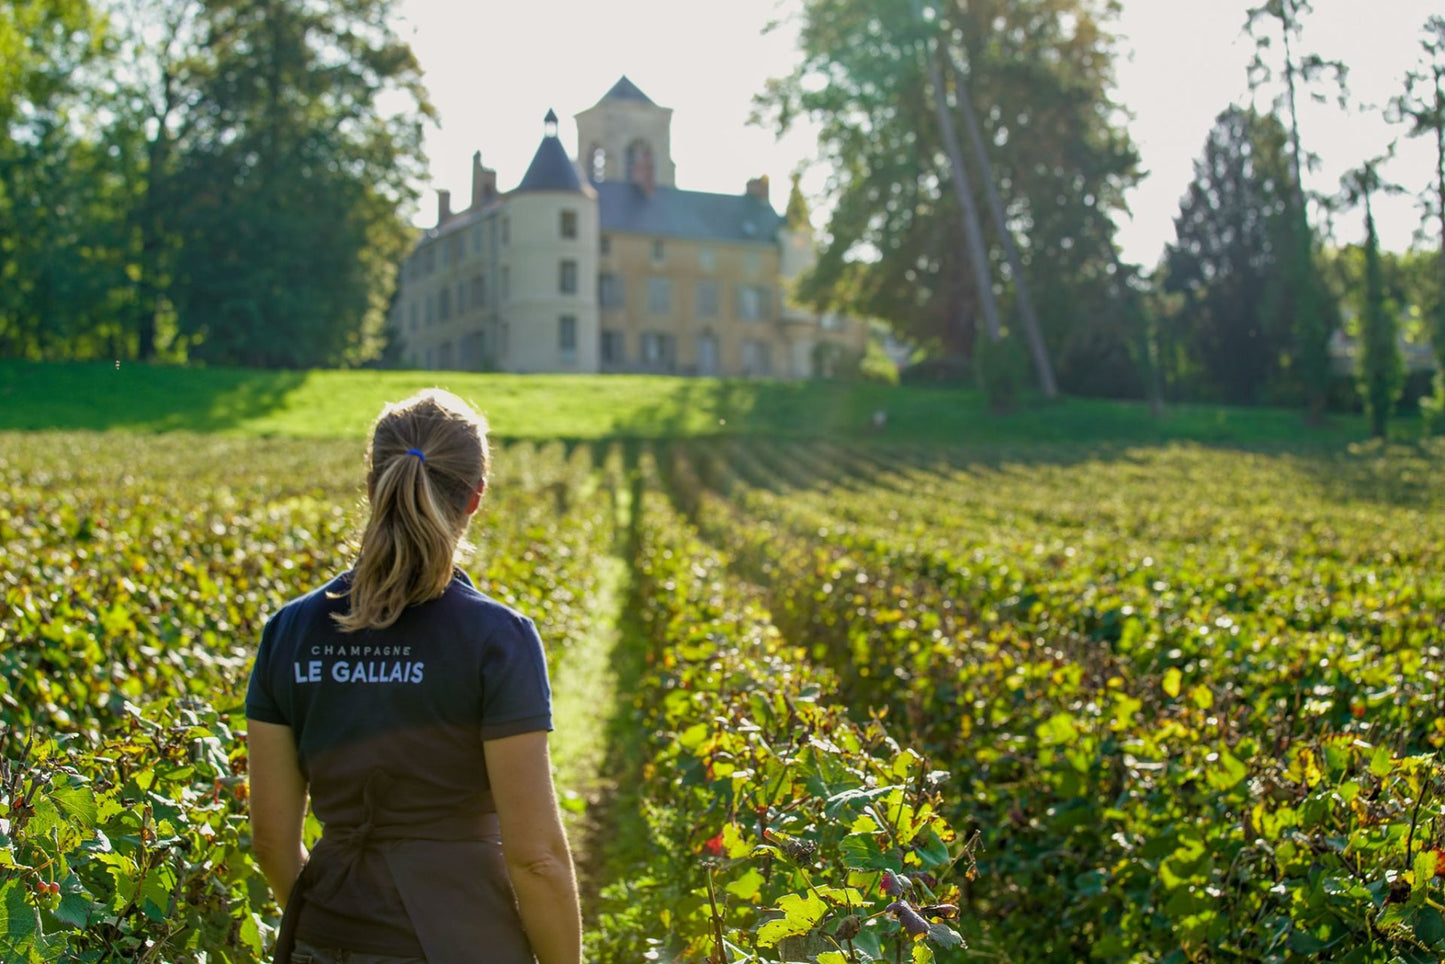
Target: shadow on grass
(101,396)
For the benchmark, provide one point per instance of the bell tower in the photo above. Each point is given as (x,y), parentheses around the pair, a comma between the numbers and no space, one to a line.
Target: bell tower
(626,137)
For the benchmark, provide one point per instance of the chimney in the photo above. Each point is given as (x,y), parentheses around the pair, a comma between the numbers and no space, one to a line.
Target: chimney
(444,207)
(758,188)
(484,182)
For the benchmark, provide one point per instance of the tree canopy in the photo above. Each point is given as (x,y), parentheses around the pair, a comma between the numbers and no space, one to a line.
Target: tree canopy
(1038,73)
(228,176)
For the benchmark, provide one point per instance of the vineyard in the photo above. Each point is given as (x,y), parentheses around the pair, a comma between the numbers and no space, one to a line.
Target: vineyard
(870,702)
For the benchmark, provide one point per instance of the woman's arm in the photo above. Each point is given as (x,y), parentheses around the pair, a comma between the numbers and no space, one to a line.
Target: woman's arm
(535,846)
(278,805)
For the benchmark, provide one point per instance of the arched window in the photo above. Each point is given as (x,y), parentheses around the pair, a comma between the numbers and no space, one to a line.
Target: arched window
(639,161)
(597,163)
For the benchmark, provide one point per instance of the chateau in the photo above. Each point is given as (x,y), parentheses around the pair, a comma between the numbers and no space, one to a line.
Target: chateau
(604,265)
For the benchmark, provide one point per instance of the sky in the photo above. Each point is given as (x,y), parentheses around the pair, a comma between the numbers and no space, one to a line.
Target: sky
(494,70)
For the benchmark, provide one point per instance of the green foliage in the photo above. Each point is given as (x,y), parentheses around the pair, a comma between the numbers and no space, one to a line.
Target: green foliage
(1002,368)
(787,831)
(122,778)
(1234,259)
(222,179)
(1186,682)
(895,249)
(1381,369)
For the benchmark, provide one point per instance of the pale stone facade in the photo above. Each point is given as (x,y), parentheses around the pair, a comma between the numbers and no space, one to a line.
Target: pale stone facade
(612,268)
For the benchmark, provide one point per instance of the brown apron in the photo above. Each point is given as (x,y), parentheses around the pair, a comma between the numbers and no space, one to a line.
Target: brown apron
(450,874)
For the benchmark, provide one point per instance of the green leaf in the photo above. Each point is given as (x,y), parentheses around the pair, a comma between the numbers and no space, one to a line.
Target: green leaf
(860,851)
(19,922)
(1424,872)
(1058,730)
(944,936)
(1226,772)
(1172,679)
(77,806)
(748,886)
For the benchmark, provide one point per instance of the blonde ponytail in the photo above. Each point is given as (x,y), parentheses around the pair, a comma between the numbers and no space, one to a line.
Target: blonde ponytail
(427,456)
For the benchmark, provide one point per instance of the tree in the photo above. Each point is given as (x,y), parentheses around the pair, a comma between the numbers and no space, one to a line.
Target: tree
(1422,106)
(1232,226)
(1380,370)
(292,190)
(50,255)
(1039,71)
(155,104)
(1302,296)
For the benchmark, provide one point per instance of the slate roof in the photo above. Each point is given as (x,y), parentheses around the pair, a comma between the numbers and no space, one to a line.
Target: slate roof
(551,169)
(625,89)
(691,215)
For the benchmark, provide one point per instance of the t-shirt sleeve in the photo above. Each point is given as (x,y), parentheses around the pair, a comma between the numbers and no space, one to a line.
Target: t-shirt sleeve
(261,703)
(516,695)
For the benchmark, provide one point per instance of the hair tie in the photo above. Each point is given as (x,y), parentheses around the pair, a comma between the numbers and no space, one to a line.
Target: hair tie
(418,453)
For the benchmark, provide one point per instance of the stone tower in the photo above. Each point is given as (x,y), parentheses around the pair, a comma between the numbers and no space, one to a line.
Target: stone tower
(626,137)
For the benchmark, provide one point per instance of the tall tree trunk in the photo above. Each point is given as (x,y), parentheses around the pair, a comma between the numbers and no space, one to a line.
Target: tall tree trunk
(1043,368)
(147,282)
(972,229)
(1439,334)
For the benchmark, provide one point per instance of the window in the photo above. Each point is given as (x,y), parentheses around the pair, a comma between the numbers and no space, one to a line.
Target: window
(506,230)
(431,310)
(429,357)
(638,163)
(707,259)
(469,352)
(454,249)
(659,295)
(658,351)
(707,299)
(429,259)
(569,224)
(444,304)
(461,297)
(613,350)
(757,358)
(477,238)
(479,291)
(707,354)
(492,235)
(597,162)
(605,244)
(411,317)
(444,355)
(659,253)
(506,283)
(567,277)
(567,337)
(752,263)
(609,290)
(754,302)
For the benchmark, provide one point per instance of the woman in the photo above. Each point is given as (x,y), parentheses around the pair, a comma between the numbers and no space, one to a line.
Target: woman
(415,711)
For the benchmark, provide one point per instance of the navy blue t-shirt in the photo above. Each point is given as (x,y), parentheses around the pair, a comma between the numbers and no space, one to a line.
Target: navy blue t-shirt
(413,701)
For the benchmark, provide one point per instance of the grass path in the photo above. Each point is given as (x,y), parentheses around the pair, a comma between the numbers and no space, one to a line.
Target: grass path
(585,703)
(584,698)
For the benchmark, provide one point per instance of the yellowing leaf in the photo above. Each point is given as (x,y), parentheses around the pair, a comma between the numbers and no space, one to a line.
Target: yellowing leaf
(1172,679)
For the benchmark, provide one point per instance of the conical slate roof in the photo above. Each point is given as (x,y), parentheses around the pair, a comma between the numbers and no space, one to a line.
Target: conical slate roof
(551,169)
(625,89)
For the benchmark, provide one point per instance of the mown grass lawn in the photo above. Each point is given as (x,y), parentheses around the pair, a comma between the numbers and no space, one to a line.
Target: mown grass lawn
(105,396)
